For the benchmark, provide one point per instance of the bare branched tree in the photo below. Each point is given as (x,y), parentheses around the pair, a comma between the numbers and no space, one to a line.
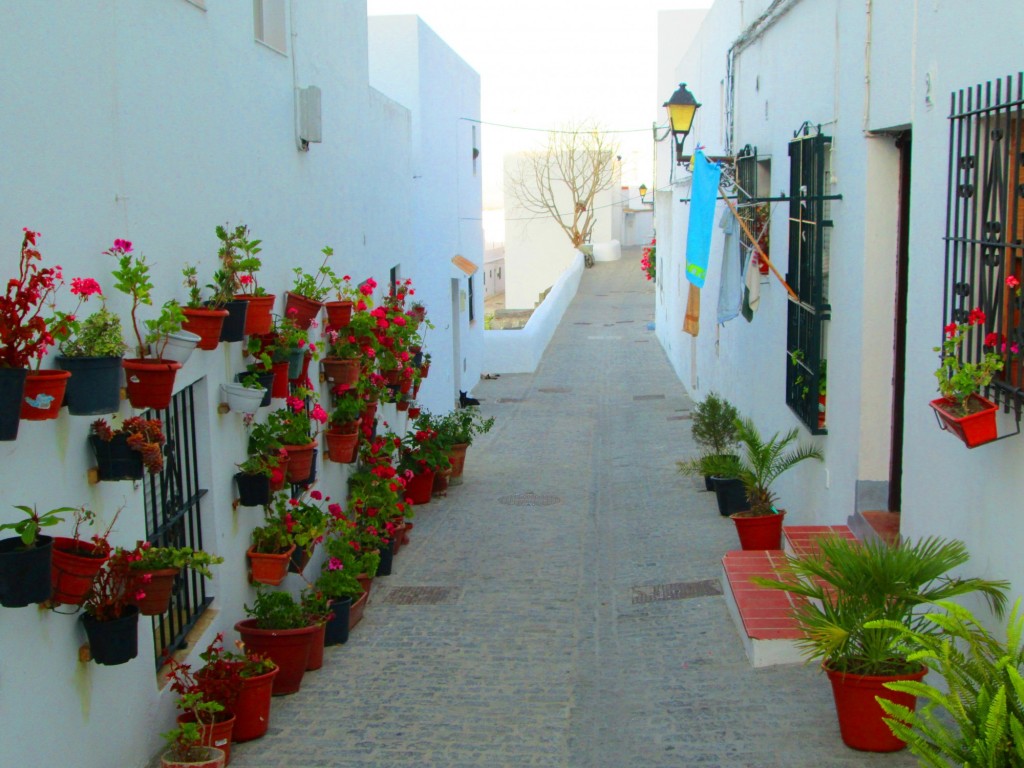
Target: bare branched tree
(562,180)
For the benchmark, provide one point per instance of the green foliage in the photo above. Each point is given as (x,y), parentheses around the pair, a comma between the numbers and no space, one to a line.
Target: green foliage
(714,425)
(131,277)
(167,322)
(149,558)
(276,610)
(347,408)
(959,380)
(851,585)
(195,293)
(29,528)
(459,426)
(317,286)
(977,719)
(99,335)
(338,577)
(239,263)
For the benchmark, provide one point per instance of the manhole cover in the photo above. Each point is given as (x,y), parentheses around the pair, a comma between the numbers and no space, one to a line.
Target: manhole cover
(581,322)
(555,390)
(421,595)
(641,341)
(681,590)
(623,321)
(648,397)
(530,500)
(509,400)
(684,417)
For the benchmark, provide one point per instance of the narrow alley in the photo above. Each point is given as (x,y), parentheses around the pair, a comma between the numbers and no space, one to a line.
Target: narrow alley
(527,623)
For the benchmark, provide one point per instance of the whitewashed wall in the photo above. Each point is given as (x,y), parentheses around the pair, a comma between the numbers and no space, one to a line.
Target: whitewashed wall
(912,73)
(156,122)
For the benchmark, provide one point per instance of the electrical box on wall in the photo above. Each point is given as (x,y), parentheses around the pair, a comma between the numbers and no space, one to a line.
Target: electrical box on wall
(309,127)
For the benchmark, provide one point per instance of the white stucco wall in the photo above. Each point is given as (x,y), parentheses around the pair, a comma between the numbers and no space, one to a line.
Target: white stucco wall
(156,122)
(911,78)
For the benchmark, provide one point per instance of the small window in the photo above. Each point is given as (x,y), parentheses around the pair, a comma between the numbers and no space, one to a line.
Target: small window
(471,312)
(269,24)
(393,280)
(476,151)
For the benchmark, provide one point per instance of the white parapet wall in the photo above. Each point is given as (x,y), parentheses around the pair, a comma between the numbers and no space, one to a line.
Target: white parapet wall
(520,351)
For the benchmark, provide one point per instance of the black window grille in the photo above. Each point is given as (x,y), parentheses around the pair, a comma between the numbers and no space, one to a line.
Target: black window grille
(173,519)
(809,235)
(984,243)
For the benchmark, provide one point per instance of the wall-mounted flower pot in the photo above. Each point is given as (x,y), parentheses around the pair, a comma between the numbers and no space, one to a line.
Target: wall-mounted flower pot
(342,444)
(266,379)
(242,399)
(300,559)
(974,429)
(206,324)
(234,324)
(73,567)
(25,574)
(12,386)
(95,385)
(305,310)
(157,589)
(288,648)
(115,460)
(253,490)
(339,313)
(44,394)
(338,370)
(258,315)
(760,531)
(179,347)
(116,641)
(280,388)
(300,461)
(269,567)
(150,382)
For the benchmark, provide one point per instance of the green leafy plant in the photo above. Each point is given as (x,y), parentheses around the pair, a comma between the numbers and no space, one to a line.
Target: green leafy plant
(338,577)
(146,557)
(461,425)
(159,329)
(30,528)
(112,590)
(276,610)
(958,380)
(850,585)
(977,718)
(714,425)
(239,263)
(316,605)
(132,278)
(317,285)
(347,408)
(99,335)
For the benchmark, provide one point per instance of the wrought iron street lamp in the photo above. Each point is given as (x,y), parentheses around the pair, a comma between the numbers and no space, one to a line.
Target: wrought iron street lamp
(643,194)
(681,110)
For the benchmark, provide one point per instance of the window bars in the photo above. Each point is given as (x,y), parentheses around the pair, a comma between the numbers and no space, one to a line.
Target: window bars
(984,242)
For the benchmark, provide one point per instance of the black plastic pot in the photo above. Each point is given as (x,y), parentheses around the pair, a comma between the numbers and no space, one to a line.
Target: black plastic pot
(386,558)
(253,490)
(95,384)
(115,641)
(12,387)
(234,324)
(731,495)
(115,460)
(25,573)
(337,627)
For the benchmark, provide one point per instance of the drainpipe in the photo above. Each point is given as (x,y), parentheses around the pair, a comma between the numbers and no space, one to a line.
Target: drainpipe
(867,64)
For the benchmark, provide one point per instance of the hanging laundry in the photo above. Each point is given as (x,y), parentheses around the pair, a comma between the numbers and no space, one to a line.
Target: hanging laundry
(752,286)
(703,194)
(691,320)
(730,289)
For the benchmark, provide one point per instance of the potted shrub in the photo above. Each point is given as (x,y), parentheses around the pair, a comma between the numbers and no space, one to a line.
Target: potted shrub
(150,378)
(204,318)
(849,587)
(961,409)
(205,701)
(342,434)
(25,575)
(760,464)
(92,352)
(123,452)
(309,291)
(714,431)
(154,570)
(111,617)
(239,260)
(977,716)
(278,628)
(75,562)
(457,429)
(242,682)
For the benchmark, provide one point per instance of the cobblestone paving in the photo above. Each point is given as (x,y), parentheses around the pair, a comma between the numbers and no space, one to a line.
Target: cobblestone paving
(540,652)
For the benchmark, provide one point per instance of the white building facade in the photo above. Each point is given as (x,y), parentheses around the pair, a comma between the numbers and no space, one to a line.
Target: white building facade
(866,94)
(156,122)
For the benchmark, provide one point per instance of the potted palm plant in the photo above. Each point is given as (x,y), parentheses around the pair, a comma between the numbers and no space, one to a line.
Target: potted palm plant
(859,597)
(760,464)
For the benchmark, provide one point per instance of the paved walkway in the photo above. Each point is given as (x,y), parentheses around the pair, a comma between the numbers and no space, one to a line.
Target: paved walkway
(569,625)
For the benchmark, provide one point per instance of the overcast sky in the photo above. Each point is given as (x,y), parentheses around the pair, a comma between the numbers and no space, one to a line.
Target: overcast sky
(545,62)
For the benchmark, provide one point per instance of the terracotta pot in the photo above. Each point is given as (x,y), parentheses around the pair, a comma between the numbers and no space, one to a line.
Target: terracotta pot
(402,405)
(258,318)
(43,394)
(150,382)
(420,486)
(339,370)
(158,592)
(457,457)
(760,532)
(391,376)
(974,429)
(342,446)
(288,648)
(355,613)
(316,648)
(216,734)
(861,719)
(414,412)
(339,313)
(214,760)
(306,310)
(300,461)
(205,323)
(72,569)
(269,568)
(365,581)
(252,708)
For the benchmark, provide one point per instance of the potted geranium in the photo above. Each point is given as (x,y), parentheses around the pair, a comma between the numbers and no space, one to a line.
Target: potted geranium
(111,617)
(205,318)
(264,467)
(424,453)
(123,452)
(310,290)
(75,561)
(961,409)
(339,311)
(850,586)
(240,263)
(154,570)
(205,701)
(25,574)
(150,377)
(338,581)
(342,434)
(92,351)
(293,428)
(241,681)
(304,522)
(185,743)
(278,628)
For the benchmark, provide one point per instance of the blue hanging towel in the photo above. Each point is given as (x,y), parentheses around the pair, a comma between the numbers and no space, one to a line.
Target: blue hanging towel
(703,195)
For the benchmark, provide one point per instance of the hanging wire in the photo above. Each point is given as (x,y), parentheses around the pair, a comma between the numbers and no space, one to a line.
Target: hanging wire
(552,130)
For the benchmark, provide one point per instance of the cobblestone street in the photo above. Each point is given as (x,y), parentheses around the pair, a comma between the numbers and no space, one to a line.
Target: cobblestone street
(561,607)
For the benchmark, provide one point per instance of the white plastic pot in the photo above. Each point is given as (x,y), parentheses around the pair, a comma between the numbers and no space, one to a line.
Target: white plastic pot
(179,346)
(243,399)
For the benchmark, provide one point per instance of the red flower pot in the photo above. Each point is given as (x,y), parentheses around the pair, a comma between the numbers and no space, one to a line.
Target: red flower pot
(974,429)
(760,532)
(338,370)
(316,648)
(43,394)
(355,613)
(280,387)
(300,461)
(258,318)
(72,569)
(216,734)
(252,708)
(339,313)
(205,323)
(288,648)
(441,482)
(420,487)
(342,446)
(157,591)
(150,382)
(269,568)
(305,310)
(861,719)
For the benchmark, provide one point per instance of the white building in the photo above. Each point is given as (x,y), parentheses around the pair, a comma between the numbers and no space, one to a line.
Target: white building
(494,271)
(871,93)
(156,122)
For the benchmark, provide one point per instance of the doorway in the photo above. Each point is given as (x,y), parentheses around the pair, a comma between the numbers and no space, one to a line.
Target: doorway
(456,341)
(903,144)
